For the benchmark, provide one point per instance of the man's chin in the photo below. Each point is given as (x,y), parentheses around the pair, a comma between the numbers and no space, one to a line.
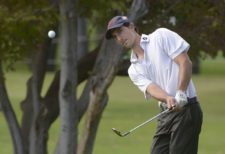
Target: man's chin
(127,46)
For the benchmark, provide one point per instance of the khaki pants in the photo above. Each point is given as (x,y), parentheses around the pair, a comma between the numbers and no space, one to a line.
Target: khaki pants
(178,132)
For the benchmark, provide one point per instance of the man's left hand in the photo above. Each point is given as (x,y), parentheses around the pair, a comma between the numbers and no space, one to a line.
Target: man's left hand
(181,99)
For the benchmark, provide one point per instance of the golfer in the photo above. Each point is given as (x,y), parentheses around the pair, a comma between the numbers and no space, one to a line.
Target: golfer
(161,68)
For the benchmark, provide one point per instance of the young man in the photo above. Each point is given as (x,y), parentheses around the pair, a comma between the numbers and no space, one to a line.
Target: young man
(161,68)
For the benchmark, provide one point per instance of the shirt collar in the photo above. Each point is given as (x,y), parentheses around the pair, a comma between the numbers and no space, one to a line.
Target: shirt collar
(133,57)
(144,39)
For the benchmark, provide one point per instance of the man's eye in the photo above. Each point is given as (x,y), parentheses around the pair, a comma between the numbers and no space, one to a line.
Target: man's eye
(119,30)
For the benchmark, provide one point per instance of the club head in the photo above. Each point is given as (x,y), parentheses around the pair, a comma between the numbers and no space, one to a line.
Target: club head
(119,133)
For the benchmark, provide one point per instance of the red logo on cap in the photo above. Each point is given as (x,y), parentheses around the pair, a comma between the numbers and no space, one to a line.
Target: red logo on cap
(111,23)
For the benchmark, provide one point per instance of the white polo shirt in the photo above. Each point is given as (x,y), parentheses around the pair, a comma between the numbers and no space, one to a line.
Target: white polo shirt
(158,66)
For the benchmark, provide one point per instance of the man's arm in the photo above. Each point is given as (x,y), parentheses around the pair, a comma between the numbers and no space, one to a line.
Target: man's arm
(185,70)
(155,91)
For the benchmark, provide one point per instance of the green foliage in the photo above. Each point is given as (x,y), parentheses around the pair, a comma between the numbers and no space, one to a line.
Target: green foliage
(200,22)
(23,25)
(99,12)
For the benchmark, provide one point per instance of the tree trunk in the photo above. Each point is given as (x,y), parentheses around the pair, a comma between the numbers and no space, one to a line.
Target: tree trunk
(37,137)
(10,117)
(26,106)
(82,46)
(94,114)
(31,106)
(67,143)
(49,108)
(105,69)
(102,76)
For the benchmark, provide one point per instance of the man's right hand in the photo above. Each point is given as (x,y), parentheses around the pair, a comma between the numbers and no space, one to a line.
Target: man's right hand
(171,102)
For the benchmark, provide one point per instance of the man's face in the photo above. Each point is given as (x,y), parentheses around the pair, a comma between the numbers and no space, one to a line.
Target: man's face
(125,36)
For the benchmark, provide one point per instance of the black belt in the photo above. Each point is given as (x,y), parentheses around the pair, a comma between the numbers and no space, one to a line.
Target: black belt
(192,100)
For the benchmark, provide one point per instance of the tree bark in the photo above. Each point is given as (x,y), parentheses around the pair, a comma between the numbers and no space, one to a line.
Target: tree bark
(32,106)
(67,143)
(102,76)
(105,69)
(10,116)
(94,113)
(82,40)
(27,109)
(37,138)
(138,9)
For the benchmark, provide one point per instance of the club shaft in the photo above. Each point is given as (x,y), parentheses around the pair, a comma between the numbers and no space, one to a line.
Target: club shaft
(149,120)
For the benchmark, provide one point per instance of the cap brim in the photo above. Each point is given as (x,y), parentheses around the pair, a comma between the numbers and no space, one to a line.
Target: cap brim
(108,34)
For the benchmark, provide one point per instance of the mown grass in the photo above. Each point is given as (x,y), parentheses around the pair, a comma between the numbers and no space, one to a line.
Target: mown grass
(127,108)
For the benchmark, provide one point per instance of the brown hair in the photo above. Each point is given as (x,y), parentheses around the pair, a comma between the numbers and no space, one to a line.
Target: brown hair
(127,24)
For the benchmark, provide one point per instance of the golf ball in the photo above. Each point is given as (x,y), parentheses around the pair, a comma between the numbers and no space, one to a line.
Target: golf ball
(51,34)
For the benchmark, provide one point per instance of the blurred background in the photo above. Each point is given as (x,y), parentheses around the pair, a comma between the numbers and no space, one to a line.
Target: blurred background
(31,61)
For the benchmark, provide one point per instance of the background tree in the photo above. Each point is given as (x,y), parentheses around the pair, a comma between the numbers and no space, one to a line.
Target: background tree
(68,78)
(19,35)
(199,22)
(23,32)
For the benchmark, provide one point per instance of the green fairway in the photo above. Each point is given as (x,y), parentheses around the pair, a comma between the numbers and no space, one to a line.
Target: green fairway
(127,108)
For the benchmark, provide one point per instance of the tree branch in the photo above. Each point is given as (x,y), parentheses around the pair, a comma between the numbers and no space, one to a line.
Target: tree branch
(10,117)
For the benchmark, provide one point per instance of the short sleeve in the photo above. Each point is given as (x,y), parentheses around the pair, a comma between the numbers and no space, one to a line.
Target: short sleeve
(173,44)
(138,78)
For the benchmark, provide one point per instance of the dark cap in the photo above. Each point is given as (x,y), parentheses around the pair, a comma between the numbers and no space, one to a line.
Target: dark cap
(115,22)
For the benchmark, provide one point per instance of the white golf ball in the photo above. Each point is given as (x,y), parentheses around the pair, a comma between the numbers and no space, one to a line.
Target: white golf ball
(51,34)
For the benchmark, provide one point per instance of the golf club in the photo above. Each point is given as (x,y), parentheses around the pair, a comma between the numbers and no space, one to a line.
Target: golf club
(119,133)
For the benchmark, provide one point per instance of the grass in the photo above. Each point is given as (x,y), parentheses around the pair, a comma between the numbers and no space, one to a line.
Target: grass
(127,108)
